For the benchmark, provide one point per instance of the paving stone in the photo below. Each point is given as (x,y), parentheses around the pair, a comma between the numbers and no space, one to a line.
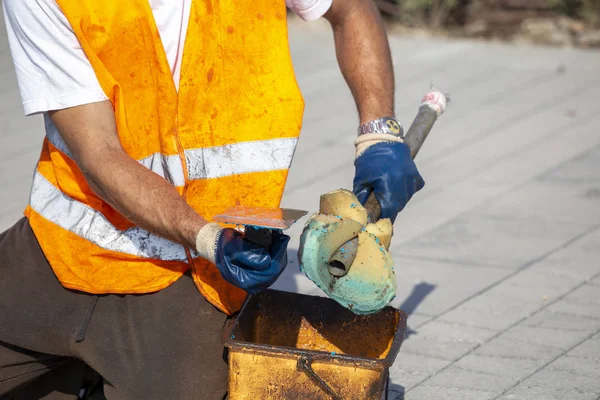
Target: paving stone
(562,379)
(442,285)
(491,310)
(524,392)
(578,366)
(514,298)
(506,367)
(577,172)
(586,294)
(569,203)
(437,347)
(585,310)
(551,337)
(410,369)
(442,392)
(459,378)
(506,348)
(537,284)
(7,221)
(506,241)
(17,197)
(588,349)
(581,259)
(418,319)
(562,321)
(451,332)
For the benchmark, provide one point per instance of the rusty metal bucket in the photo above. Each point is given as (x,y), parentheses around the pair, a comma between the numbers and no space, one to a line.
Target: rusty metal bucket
(292,346)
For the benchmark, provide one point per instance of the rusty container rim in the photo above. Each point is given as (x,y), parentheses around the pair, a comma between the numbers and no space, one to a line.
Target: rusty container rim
(317,355)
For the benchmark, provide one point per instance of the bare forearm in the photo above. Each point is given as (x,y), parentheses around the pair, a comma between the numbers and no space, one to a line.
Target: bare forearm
(364,57)
(144,198)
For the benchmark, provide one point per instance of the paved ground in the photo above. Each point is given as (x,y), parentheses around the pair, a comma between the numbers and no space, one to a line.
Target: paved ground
(498,258)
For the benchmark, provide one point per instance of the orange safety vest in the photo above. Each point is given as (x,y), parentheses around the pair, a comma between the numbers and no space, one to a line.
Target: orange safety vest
(226,138)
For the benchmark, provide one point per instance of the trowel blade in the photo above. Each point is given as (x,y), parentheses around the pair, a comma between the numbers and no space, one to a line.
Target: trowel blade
(272,218)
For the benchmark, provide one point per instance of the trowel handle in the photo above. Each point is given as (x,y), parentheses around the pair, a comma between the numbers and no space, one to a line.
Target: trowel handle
(414,139)
(259,236)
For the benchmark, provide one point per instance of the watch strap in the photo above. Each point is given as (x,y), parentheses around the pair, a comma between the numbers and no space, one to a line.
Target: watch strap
(387,125)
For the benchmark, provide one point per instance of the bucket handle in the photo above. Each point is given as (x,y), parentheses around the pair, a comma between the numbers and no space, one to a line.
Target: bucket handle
(304,364)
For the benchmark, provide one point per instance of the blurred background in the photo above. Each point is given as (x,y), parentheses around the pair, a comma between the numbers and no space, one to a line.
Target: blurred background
(498,257)
(558,22)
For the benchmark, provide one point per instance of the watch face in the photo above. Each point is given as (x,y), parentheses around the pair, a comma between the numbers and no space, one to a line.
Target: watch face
(393,126)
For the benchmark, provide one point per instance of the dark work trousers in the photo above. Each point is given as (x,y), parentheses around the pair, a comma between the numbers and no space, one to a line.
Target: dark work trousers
(163,345)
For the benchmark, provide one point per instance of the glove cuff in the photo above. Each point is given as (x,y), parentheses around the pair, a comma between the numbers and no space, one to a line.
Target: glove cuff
(206,241)
(367,140)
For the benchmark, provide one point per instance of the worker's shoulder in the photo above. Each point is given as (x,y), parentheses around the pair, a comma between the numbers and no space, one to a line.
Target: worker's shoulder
(28,8)
(33,17)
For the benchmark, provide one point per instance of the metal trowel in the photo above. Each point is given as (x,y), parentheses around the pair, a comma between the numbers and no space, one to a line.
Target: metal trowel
(259,222)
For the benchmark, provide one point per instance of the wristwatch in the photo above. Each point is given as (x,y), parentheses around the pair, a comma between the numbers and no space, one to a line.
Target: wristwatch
(389,125)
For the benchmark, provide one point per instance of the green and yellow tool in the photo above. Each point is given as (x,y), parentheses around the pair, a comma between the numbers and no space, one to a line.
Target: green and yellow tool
(344,249)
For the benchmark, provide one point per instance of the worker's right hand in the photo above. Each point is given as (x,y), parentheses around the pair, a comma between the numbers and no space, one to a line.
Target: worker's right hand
(242,263)
(387,170)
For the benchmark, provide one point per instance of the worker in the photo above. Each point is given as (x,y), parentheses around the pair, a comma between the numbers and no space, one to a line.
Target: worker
(159,115)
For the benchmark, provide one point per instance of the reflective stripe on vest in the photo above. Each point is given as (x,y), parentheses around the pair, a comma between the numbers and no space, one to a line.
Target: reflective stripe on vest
(91,225)
(240,158)
(211,162)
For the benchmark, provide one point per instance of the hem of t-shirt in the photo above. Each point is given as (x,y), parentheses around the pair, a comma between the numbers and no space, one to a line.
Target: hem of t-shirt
(37,106)
(316,11)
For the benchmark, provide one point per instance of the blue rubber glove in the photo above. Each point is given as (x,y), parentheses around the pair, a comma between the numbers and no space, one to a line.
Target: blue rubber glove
(388,170)
(248,266)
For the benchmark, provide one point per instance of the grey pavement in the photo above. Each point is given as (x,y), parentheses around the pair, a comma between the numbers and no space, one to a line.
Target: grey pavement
(498,257)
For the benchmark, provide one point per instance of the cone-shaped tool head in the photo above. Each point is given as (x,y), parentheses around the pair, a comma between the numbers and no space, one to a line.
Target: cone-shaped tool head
(370,283)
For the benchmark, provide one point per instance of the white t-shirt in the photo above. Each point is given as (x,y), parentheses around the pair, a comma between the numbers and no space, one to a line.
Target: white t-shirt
(52,70)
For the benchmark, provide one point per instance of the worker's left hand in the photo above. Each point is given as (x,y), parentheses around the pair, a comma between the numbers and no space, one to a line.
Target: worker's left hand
(387,169)
(242,263)
(247,265)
